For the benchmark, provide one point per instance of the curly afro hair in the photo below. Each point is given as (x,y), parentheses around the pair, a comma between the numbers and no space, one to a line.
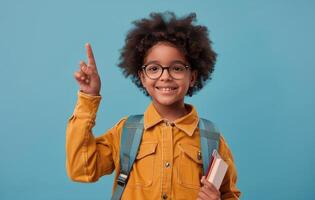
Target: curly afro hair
(192,40)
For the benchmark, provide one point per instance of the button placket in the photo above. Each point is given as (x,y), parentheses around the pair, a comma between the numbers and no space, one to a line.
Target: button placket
(167,148)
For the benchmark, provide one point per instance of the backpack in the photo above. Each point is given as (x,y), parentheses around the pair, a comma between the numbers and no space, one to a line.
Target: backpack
(131,139)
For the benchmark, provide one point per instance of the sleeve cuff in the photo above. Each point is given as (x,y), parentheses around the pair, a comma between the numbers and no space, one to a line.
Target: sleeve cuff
(87,105)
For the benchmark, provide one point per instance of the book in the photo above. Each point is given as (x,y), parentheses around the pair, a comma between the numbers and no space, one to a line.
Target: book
(216,170)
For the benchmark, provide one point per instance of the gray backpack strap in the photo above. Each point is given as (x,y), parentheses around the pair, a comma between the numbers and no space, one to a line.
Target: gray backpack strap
(209,141)
(129,144)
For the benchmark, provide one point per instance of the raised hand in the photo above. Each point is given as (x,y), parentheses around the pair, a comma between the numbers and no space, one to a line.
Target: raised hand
(87,77)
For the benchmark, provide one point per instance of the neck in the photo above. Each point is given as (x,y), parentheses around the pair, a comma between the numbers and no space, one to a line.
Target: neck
(171,112)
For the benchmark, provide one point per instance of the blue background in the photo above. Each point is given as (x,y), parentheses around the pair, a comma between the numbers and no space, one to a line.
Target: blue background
(261,96)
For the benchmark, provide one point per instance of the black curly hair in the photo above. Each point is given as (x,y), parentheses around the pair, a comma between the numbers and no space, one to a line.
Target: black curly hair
(192,40)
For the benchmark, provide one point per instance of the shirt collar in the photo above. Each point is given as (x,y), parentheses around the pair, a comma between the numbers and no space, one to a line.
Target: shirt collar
(187,123)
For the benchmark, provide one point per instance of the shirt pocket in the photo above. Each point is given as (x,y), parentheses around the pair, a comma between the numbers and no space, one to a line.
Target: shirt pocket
(189,171)
(144,166)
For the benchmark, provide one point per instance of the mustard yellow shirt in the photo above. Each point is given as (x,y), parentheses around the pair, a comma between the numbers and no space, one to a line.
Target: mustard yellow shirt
(167,164)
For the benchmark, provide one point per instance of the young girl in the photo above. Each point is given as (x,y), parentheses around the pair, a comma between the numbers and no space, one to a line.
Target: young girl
(168,58)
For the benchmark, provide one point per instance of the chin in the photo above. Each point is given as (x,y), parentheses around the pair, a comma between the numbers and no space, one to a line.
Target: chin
(167,101)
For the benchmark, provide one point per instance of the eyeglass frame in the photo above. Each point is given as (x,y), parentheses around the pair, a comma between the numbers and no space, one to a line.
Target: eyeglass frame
(167,68)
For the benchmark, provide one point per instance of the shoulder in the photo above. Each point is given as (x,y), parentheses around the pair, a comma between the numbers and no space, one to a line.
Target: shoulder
(224,149)
(115,131)
(121,122)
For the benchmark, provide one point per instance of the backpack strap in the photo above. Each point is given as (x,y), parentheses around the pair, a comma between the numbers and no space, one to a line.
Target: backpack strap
(129,144)
(209,141)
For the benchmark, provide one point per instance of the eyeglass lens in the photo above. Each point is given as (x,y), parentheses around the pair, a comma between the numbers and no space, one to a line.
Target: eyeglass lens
(154,71)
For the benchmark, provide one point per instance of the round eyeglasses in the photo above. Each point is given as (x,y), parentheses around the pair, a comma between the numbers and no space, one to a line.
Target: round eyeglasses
(176,70)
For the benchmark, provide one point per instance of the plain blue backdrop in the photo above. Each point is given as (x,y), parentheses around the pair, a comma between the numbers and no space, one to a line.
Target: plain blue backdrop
(261,96)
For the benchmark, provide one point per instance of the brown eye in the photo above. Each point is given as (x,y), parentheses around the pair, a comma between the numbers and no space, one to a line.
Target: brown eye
(178,68)
(152,68)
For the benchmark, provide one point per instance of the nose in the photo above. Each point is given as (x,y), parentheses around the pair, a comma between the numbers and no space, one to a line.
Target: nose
(165,74)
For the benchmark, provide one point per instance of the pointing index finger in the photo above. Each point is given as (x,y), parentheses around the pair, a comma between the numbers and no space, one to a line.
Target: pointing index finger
(89,52)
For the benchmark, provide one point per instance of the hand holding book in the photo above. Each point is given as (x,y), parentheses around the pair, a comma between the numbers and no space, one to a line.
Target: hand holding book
(208,191)
(216,170)
(213,179)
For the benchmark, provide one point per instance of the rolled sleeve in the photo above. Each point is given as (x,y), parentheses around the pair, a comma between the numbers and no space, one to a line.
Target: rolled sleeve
(87,105)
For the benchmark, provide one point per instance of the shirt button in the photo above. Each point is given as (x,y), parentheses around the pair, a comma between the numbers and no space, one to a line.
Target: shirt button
(167,123)
(199,157)
(164,196)
(167,164)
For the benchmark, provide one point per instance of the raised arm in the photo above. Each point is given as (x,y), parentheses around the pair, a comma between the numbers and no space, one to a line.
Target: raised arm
(88,158)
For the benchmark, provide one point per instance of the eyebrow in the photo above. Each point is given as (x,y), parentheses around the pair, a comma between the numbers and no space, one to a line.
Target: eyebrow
(172,62)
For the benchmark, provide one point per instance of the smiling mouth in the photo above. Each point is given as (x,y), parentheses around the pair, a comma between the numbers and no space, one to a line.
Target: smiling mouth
(166,89)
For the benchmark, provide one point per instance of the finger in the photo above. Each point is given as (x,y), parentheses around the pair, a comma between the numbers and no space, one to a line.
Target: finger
(90,55)
(79,76)
(206,191)
(86,69)
(208,184)
(202,195)
(202,179)
(211,187)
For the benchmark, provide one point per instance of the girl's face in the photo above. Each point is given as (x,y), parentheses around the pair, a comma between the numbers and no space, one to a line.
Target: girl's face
(165,90)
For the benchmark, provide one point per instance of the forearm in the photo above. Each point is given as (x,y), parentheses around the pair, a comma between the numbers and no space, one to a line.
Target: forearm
(81,149)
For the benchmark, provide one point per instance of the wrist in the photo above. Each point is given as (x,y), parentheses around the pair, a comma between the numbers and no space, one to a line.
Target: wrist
(90,93)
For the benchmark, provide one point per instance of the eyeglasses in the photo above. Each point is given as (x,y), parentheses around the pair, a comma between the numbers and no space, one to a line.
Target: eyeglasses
(176,70)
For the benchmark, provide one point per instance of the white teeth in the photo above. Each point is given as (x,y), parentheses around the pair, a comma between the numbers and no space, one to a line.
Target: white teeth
(166,89)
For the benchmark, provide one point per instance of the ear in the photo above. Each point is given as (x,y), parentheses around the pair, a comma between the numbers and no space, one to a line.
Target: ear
(193,78)
(142,77)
